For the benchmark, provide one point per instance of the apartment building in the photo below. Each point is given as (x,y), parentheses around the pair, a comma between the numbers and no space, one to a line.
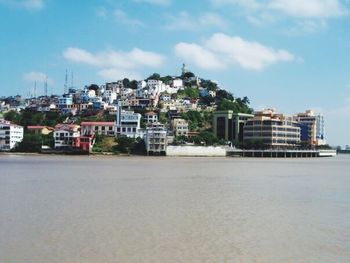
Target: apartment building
(66,135)
(180,127)
(312,128)
(274,130)
(100,128)
(151,117)
(10,135)
(128,123)
(229,126)
(156,139)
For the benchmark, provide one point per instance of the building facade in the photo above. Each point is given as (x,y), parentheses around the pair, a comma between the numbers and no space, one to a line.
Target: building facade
(128,123)
(100,128)
(229,126)
(272,129)
(312,128)
(151,117)
(66,135)
(10,135)
(180,127)
(156,139)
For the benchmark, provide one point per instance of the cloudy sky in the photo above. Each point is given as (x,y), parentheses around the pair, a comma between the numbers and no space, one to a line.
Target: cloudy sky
(290,55)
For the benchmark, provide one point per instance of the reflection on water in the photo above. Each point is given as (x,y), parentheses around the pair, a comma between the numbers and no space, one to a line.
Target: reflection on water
(111,209)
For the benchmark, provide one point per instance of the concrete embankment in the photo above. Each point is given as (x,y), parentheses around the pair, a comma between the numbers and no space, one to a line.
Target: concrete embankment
(200,151)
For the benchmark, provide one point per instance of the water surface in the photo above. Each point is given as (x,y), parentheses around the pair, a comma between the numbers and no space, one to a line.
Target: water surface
(138,209)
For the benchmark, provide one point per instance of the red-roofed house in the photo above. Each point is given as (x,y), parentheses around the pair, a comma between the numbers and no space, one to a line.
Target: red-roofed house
(66,135)
(151,117)
(44,130)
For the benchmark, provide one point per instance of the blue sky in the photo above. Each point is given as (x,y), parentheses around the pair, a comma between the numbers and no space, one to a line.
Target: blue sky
(290,55)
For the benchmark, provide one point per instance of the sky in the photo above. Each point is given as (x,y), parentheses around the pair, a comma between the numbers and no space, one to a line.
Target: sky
(282,54)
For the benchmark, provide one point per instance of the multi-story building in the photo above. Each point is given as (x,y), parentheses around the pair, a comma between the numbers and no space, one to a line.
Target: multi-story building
(312,128)
(156,139)
(65,102)
(229,126)
(151,117)
(128,123)
(66,135)
(10,135)
(100,128)
(272,129)
(180,127)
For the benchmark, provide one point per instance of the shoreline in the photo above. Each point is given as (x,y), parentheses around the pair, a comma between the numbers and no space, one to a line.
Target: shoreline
(107,154)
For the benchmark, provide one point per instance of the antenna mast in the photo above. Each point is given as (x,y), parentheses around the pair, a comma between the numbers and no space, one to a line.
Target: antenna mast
(34,89)
(66,83)
(72,79)
(45,86)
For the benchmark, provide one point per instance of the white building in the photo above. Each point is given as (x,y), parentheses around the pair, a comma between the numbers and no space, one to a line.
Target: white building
(65,102)
(180,127)
(66,135)
(100,128)
(110,96)
(128,123)
(207,93)
(10,135)
(156,139)
(177,83)
(151,117)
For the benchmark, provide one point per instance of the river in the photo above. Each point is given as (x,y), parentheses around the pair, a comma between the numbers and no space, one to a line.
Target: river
(137,209)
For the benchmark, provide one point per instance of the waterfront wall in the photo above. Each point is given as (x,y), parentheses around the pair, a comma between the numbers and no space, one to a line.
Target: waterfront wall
(212,151)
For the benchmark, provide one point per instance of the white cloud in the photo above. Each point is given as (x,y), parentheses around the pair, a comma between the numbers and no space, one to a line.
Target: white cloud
(155,2)
(186,21)
(308,15)
(221,51)
(28,4)
(309,8)
(124,18)
(198,55)
(101,12)
(113,74)
(294,8)
(250,4)
(307,26)
(39,77)
(111,58)
(115,63)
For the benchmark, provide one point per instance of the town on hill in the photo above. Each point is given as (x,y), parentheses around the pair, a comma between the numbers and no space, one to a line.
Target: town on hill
(147,117)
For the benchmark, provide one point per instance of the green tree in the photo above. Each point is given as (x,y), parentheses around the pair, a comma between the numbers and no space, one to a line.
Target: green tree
(12,116)
(125,144)
(166,79)
(30,143)
(188,75)
(192,93)
(224,95)
(154,76)
(133,84)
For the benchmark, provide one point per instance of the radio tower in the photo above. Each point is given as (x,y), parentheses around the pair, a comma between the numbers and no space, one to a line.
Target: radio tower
(66,83)
(45,86)
(34,90)
(72,80)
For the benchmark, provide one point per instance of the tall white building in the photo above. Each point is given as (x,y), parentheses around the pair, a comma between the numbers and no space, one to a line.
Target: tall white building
(156,139)
(10,135)
(128,123)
